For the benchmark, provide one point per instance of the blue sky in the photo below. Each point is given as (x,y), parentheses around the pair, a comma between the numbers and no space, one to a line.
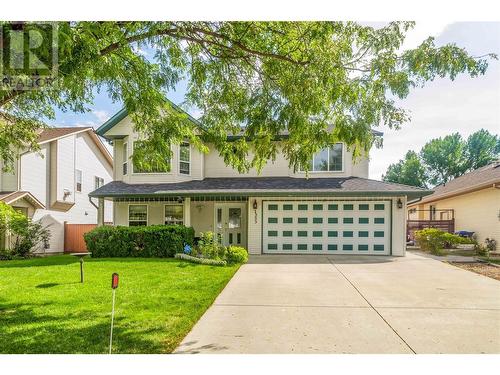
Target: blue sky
(440,108)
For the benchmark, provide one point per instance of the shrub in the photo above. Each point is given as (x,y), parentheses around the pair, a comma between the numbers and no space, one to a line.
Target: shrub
(189,258)
(236,254)
(434,240)
(29,235)
(26,234)
(149,241)
(209,246)
(491,244)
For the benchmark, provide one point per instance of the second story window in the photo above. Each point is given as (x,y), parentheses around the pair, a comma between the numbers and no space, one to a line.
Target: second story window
(328,159)
(78,178)
(184,158)
(125,159)
(154,169)
(99,181)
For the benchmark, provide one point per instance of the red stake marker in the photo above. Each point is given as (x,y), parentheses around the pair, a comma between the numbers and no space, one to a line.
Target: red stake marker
(114,284)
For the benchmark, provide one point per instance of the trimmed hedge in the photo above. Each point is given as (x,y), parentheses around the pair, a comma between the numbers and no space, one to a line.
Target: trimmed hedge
(147,242)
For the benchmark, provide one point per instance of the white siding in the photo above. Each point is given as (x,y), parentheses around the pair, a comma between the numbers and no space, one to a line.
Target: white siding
(35,173)
(69,153)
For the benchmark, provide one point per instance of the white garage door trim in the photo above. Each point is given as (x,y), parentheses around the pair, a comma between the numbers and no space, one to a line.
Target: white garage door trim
(346,226)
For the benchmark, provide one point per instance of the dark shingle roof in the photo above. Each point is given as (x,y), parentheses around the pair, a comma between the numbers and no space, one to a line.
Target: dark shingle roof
(477,179)
(261,186)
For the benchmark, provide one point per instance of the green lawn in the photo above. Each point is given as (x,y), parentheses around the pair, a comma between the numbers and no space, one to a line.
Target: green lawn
(45,309)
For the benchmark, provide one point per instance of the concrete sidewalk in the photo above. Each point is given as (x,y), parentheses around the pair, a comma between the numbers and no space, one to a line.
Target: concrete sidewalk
(328,304)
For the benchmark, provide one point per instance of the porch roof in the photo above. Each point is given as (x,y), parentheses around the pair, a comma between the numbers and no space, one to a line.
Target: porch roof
(261,186)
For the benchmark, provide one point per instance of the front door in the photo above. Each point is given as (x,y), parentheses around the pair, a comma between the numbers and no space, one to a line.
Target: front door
(230,223)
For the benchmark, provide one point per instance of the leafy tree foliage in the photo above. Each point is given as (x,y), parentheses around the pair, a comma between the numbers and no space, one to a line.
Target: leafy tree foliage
(321,82)
(443,159)
(481,148)
(409,171)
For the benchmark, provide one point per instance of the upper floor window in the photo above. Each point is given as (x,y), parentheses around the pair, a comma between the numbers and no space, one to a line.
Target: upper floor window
(184,158)
(329,159)
(99,181)
(174,214)
(154,169)
(125,160)
(137,215)
(78,178)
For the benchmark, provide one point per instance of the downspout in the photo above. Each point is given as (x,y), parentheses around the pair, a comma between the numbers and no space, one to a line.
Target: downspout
(93,204)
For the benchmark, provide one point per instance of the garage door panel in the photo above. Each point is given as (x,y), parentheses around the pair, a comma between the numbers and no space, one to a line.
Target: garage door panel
(326,227)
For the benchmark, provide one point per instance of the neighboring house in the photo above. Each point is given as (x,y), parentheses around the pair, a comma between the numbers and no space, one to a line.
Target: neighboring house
(52,184)
(474,199)
(338,210)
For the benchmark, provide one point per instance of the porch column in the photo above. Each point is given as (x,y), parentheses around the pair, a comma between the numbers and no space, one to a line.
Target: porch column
(187,212)
(100,212)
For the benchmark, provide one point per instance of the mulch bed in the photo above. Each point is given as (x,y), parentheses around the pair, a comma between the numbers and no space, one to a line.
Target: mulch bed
(484,269)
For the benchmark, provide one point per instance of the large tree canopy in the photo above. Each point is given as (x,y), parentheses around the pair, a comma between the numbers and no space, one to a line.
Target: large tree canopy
(322,82)
(442,159)
(409,171)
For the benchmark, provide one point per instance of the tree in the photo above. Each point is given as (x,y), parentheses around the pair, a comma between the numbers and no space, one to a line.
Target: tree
(408,171)
(481,148)
(444,158)
(322,82)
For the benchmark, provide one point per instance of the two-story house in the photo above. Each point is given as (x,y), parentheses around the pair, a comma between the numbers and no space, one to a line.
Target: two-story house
(334,210)
(52,184)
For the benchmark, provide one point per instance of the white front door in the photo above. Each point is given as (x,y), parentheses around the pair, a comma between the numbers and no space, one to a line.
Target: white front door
(230,223)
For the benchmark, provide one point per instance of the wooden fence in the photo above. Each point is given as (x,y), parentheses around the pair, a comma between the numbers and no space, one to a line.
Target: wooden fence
(414,225)
(73,237)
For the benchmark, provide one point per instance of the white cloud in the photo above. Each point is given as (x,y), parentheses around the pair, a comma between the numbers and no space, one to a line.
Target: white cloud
(101,115)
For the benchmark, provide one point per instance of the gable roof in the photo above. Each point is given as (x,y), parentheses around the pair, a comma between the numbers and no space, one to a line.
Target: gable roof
(122,113)
(10,197)
(481,178)
(52,134)
(341,186)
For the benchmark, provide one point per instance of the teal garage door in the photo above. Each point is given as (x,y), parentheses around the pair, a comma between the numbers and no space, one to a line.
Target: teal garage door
(326,227)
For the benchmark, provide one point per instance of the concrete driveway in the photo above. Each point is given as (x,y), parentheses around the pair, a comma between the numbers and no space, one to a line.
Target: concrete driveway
(342,304)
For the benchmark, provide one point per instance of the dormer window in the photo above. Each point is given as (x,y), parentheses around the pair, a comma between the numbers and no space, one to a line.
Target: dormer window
(329,159)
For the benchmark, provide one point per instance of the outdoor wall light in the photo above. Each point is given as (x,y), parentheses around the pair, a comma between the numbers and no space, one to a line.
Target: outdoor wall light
(255,204)
(400,203)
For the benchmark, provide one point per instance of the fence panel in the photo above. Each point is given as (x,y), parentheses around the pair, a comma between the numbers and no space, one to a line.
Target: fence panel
(73,237)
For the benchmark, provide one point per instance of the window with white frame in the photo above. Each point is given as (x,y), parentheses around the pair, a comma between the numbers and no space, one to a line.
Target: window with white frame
(174,214)
(184,158)
(154,167)
(328,159)
(125,160)
(98,182)
(78,178)
(137,215)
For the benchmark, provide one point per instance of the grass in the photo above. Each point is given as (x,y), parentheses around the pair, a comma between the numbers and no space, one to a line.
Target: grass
(45,309)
